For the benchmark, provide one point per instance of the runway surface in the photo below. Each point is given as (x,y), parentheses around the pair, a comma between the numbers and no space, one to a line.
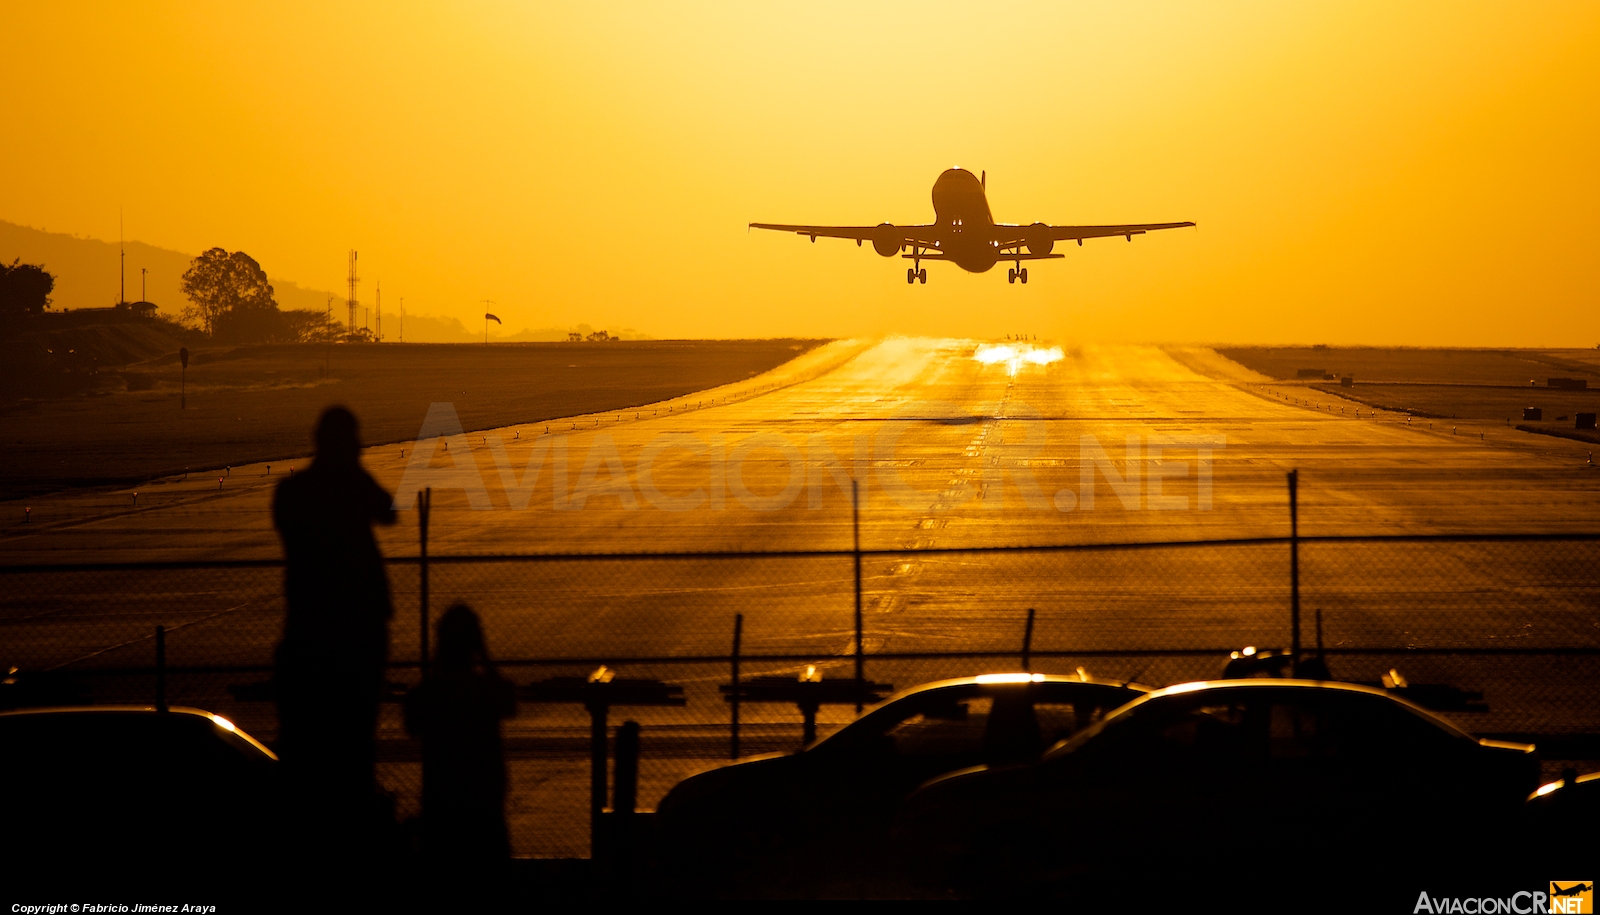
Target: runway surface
(980,452)
(1111,444)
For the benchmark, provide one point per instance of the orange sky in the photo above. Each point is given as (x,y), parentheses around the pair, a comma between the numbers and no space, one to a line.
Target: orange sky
(1361,172)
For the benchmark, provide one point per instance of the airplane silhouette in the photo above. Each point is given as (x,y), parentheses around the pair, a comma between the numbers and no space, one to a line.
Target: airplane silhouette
(966,234)
(1574,890)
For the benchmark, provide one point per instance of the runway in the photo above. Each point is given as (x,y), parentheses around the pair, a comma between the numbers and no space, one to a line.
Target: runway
(949,452)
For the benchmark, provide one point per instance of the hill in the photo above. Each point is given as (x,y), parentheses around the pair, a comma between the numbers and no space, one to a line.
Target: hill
(87,271)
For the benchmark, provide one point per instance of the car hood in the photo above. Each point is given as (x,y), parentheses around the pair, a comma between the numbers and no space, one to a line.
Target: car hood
(748,774)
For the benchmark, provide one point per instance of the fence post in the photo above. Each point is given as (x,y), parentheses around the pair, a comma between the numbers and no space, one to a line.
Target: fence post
(625,796)
(861,650)
(621,841)
(733,740)
(424,505)
(1294,568)
(1027,642)
(161,669)
(598,712)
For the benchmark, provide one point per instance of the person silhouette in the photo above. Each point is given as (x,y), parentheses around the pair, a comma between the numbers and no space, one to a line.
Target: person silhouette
(455,713)
(329,666)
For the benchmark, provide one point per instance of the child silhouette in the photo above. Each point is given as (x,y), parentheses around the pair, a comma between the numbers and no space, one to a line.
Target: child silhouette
(456,714)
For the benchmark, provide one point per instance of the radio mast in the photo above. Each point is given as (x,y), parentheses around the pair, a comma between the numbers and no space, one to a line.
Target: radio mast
(352,300)
(377,308)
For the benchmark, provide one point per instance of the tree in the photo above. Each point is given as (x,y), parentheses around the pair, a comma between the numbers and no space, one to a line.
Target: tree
(24,288)
(230,292)
(251,324)
(309,325)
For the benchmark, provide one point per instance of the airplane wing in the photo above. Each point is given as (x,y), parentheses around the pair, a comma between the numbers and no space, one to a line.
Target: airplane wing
(1079,233)
(1063,233)
(908,234)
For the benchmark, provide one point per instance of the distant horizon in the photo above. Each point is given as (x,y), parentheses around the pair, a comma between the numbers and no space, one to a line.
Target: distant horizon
(293,295)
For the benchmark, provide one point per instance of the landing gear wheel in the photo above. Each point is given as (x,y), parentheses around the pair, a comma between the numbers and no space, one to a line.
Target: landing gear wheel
(1011,275)
(911,276)
(922,276)
(1023,275)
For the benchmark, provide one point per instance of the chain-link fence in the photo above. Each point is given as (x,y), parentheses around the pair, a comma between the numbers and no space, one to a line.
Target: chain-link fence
(1501,634)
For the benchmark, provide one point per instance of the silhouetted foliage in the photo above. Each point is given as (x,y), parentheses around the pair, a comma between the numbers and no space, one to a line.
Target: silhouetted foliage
(230,295)
(24,288)
(251,325)
(308,325)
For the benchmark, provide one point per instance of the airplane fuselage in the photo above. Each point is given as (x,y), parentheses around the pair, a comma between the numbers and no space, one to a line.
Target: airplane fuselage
(965,227)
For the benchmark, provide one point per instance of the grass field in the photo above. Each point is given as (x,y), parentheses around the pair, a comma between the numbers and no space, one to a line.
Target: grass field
(1460,384)
(1405,365)
(259,403)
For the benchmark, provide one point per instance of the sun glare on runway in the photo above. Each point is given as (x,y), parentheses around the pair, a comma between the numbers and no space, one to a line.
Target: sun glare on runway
(1015,356)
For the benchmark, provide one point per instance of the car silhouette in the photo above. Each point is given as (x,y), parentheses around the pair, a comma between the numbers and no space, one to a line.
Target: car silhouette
(815,821)
(101,795)
(1276,781)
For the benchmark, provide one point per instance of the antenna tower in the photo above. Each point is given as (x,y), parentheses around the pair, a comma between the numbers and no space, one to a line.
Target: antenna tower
(377,307)
(352,300)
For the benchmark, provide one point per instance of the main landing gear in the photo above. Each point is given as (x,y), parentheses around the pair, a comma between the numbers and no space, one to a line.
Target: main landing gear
(917,275)
(1017,273)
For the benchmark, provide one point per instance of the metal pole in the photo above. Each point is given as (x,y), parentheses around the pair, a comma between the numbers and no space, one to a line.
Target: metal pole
(620,830)
(1027,642)
(1294,568)
(161,668)
(733,740)
(425,505)
(861,654)
(327,344)
(625,795)
(597,776)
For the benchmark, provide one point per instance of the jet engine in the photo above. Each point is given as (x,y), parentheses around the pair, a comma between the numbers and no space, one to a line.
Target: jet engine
(1038,239)
(886,240)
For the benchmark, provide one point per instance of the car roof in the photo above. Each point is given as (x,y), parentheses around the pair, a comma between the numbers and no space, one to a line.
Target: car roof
(1289,685)
(1222,688)
(131,710)
(1014,677)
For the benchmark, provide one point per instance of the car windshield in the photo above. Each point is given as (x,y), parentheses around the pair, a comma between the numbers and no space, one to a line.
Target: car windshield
(944,729)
